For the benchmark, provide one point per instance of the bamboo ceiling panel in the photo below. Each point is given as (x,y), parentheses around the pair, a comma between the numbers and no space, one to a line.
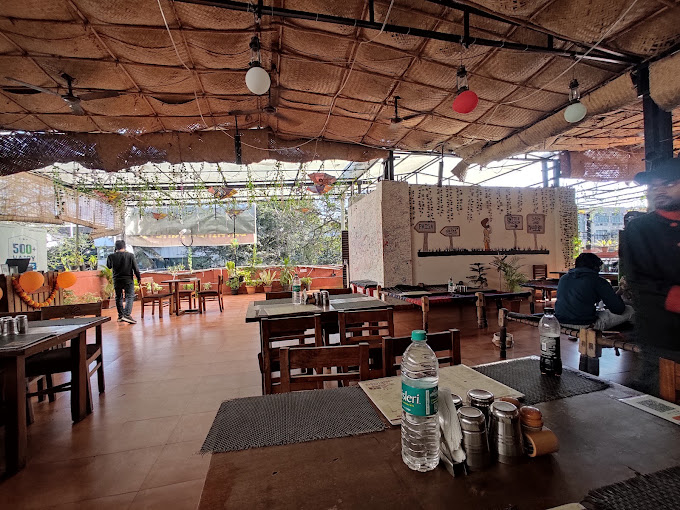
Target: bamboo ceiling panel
(331,82)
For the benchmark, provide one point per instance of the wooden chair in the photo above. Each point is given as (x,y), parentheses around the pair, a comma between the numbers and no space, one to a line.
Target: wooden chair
(367,326)
(278,295)
(212,294)
(446,344)
(540,272)
(277,333)
(189,295)
(58,360)
(318,358)
(149,296)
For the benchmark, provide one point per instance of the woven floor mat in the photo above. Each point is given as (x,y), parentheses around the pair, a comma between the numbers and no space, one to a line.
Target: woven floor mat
(287,418)
(524,375)
(656,491)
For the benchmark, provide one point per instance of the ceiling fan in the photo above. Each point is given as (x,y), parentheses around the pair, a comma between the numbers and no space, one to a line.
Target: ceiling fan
(69,98)
(397,119)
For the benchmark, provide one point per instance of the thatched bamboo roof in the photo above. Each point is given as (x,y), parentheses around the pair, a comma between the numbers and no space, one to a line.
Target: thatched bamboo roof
(331,83)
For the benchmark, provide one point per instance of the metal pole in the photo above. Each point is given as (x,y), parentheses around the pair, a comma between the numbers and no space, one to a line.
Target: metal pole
(589,232)
(440,177)
(544,169)
(657,122)
(556,173)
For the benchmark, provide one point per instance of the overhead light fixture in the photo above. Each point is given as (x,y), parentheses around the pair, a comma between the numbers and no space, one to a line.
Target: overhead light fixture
(257,79)
(465,100)
(576,109)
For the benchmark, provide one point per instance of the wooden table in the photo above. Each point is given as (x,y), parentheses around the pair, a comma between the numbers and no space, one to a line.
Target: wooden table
(173,287)
(13,353)
(277,308)
(602,441)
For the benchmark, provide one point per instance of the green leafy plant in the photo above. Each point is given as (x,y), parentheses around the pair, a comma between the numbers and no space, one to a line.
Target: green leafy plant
(174,270)
(207,286)
(71,299)
(254,261)
(152,287)
(287,272)
(188,286)
(231,269)
(234,282)
(251,282)
(577,245)
(108,289)
(267,277)
(478,279)
(509,268)
(93,261)
(306,282)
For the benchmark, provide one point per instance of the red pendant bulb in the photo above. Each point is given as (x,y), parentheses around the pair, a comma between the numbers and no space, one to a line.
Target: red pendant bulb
(466,100)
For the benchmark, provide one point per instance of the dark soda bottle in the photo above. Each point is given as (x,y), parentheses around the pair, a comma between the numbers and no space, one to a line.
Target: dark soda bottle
(549,331)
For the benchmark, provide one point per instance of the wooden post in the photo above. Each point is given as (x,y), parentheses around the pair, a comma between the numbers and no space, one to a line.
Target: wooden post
(532,304)
(425,304)
(669,380)
(503,322)
(481,310)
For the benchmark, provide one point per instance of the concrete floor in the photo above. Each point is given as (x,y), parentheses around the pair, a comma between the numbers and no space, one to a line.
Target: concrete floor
(165,380)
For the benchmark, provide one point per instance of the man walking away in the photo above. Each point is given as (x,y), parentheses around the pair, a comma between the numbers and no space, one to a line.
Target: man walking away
(581,289)
(124,267)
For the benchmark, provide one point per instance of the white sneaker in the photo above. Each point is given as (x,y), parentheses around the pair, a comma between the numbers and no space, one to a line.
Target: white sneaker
(129,319)
(120,319)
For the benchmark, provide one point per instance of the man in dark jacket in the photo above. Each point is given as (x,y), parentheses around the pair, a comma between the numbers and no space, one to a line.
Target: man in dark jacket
(581,289)
(124,267)
(651,258)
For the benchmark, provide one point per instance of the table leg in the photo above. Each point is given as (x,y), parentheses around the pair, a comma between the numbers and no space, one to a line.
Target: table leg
(79,377)
(178,306)
(14,369)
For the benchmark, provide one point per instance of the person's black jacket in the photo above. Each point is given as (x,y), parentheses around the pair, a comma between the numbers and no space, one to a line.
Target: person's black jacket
(124,265)
(651,259)
(577,294)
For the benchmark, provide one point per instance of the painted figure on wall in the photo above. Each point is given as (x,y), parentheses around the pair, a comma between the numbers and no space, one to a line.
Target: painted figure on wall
(487,234)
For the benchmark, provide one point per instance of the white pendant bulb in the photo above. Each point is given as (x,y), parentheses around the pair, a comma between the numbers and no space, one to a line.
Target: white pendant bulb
(258,80)
(575,112)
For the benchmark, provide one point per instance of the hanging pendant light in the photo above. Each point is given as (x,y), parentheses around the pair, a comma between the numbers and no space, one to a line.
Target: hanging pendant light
(576,110)
(465,100)
(257,79)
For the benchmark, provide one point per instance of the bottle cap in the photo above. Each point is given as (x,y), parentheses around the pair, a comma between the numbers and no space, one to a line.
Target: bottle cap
(549,310)
(418,335)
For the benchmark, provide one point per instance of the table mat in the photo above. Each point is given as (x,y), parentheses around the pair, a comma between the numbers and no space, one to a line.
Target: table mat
(76,321)
(12,342)
(524,375)
(295,417)
(359,304)
(286,309)
(656,491)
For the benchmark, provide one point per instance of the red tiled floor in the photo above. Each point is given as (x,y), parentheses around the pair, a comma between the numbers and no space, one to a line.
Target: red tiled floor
(165,380)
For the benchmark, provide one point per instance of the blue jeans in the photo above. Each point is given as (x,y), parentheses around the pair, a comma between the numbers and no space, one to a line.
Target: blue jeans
(129,289)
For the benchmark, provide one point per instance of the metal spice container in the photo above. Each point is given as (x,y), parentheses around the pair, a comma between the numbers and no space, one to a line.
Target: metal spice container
(505,433)
(481,399)
(22,324)
(475,439)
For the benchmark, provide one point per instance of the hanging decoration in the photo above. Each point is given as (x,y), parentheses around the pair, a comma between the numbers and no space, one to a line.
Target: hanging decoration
(322,179)
(319,189)
(110,196)
(258,80)
(576,110)
(1,293)
(66,279)
(466,100)
(31,281)
(23,294)
(159,216)
(222,192)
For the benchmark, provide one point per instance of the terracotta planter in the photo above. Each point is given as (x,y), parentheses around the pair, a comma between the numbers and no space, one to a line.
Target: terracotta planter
(234,292)
(250,290)
(108,303)
(267,288)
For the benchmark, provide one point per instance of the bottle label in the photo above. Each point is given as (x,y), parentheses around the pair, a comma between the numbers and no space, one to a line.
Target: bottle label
(296,288)
(419,401)
(548,346)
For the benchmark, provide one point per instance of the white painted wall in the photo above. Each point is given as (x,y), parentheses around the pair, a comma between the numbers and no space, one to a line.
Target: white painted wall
(17,241)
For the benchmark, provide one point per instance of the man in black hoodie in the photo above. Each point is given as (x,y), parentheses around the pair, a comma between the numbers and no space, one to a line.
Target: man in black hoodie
(124,267)
(581,289)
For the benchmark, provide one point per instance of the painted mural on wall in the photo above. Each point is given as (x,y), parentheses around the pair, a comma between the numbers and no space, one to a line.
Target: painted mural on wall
(521,212)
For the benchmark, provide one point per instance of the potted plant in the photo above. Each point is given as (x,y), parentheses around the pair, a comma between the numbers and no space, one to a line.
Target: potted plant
(509,269)
(107,289)
(605,245)
(251,284)
(93,261)
(286,273)
(306,282)
(234,283)
(267,279)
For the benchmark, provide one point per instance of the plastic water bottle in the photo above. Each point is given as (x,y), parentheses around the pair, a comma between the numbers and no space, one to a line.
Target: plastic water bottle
(297,295)
(549,331)
(420,433)
(450,289)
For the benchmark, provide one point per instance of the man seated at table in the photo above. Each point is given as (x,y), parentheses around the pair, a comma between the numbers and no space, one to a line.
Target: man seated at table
(581,289)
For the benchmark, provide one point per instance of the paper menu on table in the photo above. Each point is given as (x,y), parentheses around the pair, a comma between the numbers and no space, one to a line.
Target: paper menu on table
(386,392)
(661,408)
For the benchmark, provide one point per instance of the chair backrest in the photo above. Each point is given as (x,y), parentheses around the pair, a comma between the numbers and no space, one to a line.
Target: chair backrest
(70,311)
(220,284)
(142,286)
(318,358)
(540,271)
(336,292)
(367,326)
(278,295)
(32,316)
(445,344)
(277,333)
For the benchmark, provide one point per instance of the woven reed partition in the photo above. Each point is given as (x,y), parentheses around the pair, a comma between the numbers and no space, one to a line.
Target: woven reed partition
(123,45)
(36,199)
